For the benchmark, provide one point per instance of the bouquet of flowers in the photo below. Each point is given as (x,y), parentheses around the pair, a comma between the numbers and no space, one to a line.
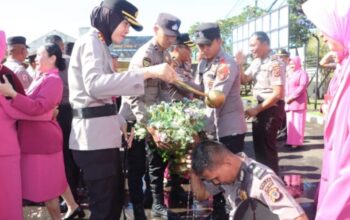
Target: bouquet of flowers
(177,124)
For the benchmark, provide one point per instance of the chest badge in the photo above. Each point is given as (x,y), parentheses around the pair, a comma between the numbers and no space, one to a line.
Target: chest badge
(146,62)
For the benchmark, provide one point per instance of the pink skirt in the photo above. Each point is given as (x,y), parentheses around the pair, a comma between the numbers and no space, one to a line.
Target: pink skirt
(43,176)
(295,127)
(10,188)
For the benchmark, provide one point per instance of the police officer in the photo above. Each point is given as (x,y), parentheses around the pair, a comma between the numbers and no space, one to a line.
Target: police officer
(153,52)
(284,55)
(240,178)
(218,71)
(268,77)
(17,53)
(180,54)
(95,138)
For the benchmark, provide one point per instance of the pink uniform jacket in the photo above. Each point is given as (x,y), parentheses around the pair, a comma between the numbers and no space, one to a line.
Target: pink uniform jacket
(332,17)
(37,137)
(296,86)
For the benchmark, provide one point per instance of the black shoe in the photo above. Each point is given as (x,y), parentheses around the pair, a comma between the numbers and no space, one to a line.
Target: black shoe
(79,212)
(63,207)
(161,211)
(139,212)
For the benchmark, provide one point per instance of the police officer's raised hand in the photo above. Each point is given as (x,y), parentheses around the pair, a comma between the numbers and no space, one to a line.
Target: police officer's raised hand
(162,71)
(240,58)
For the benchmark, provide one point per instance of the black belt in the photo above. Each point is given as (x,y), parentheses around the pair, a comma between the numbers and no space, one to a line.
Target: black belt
(94,112)
(279,102)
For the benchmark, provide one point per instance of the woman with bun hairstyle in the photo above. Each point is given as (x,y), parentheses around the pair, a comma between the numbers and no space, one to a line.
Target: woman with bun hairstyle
(42,168)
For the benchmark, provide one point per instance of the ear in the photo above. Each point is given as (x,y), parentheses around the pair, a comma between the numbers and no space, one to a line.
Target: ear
(219,40)
(226,161)
(53,59)
(155,29)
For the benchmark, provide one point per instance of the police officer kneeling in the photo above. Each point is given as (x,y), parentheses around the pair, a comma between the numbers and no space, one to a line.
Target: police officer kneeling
(240,178)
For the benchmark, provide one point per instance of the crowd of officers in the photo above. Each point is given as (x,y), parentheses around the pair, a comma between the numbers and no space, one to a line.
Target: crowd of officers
(88,122)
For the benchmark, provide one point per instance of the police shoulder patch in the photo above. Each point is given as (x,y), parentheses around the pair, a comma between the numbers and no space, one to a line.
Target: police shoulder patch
(276,69)
(223,71)
(146,62)
(274,194)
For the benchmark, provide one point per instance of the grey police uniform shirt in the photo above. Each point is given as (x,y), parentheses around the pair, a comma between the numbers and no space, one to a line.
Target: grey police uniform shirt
(229,118)
(92,82)
(263,78)
(20,71)
(184,73)
(265,186)
(156,90)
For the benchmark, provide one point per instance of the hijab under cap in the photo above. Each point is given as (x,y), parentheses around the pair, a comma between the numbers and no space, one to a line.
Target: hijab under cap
(110,14)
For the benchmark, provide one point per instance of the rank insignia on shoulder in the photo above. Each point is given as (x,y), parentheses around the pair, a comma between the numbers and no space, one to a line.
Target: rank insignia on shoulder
(257,171)
(223,70)
(276,69)
(274,194)
(146,62)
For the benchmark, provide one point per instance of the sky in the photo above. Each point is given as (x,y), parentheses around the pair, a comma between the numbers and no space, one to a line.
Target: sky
(34,18)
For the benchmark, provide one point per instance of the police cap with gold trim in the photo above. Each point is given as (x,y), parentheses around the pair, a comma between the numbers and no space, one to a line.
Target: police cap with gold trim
(126,9)
(184,39)
(282,53)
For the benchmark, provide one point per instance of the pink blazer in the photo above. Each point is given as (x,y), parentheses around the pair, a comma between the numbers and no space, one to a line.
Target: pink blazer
(9,144)
(296,86)
(334,195)
(40,137)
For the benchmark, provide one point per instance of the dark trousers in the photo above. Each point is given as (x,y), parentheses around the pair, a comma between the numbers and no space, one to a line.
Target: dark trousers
(104,180)
(64,119)
(136,170)
(156,170)
(265,127)
(235,143)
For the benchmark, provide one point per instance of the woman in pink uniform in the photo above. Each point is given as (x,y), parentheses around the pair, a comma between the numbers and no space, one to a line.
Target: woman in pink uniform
(296,99)
(42,167)
(332,17)
(10,175)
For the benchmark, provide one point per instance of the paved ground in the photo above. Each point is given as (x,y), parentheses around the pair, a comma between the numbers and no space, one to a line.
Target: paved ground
(306,162)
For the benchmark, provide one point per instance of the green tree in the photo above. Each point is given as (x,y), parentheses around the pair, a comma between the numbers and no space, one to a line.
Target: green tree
(226,25)
(299,25)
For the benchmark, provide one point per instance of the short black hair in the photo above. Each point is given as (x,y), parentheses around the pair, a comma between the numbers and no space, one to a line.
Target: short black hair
(205,154)
(69,48)
(53,39)
(262,37)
